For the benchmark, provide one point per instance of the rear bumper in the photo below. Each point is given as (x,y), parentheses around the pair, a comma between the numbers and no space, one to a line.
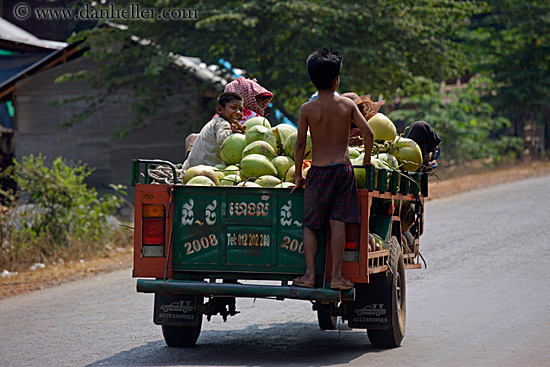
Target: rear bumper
(243,290)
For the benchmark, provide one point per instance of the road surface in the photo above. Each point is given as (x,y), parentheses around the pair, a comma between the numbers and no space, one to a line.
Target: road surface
(484,300)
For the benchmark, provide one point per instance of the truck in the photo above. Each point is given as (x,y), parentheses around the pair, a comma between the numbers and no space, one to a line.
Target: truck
(198,248)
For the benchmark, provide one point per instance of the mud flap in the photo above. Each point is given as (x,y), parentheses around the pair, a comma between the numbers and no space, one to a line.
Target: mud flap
(177,309)
(369,310)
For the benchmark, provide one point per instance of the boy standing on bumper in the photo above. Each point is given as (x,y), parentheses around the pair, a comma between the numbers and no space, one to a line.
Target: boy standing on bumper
(330,188)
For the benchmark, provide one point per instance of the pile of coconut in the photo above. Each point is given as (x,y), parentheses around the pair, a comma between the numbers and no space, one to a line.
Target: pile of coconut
(264,156)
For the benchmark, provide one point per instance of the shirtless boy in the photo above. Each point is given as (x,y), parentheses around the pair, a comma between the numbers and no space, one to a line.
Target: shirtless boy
(330,188)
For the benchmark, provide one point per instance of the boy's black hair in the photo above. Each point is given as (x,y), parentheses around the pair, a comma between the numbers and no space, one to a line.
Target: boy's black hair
(323,66)
(228,96)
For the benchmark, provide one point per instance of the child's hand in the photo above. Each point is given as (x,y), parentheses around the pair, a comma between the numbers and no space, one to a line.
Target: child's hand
(237,128)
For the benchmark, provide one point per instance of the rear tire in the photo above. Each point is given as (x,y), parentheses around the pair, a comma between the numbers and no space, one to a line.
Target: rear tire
(394,288)
(181,336)
(326,321)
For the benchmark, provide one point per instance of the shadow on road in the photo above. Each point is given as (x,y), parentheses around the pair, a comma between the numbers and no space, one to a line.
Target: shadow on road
(279,344)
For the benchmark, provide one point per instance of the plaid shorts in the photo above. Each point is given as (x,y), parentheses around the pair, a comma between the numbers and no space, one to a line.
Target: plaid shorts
(330,193)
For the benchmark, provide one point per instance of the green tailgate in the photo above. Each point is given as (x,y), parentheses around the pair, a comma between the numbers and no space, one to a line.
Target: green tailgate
(239,229)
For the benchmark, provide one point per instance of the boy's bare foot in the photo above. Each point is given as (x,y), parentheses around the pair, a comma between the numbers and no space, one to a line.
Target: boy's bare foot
(301,282)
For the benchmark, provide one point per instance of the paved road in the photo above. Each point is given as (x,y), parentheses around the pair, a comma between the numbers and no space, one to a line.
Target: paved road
(484,300)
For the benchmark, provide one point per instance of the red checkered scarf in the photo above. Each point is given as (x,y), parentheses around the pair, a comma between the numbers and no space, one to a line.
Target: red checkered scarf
(249,89)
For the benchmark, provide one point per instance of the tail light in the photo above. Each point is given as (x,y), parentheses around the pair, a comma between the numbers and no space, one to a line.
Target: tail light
(153,229)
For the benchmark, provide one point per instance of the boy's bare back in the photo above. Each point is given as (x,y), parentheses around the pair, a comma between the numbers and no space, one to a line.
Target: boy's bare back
(329,120)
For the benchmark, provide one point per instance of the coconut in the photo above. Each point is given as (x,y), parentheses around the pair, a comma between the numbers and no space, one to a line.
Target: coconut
(353,153)
(408,154)
(255,133)
(267,181)
(282,132)
(290,145)
(230,180)
(389,159)
(256,165)
(248,184)
(285,185)
(258,120)
(231,170)
(221,167)
(232,148)
(382,127)
(259,147)
(360,177)
(282,163)
(200,181)
(201,171)
(290,175)
(270,138)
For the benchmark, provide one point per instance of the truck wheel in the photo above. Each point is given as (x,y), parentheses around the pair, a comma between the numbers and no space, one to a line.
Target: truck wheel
(326,320)
(181,336)
(394,290)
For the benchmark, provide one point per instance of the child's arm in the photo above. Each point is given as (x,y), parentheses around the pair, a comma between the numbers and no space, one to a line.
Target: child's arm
(223,130)
(300,149)
(359,120)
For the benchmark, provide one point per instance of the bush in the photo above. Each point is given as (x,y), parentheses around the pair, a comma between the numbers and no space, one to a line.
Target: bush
(55,214)
(470,128)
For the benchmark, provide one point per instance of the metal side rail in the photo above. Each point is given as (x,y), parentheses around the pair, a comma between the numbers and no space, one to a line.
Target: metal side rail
(243,290)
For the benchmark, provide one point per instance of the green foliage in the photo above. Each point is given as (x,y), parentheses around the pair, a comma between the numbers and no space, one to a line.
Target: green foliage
(385,45)
(55,211)
(468,126)
(510,42)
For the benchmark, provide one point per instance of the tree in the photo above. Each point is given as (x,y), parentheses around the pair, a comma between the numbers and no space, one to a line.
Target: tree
(385,44)
(510,42)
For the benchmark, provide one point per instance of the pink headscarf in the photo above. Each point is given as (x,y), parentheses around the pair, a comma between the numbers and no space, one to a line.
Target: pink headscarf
(249,89)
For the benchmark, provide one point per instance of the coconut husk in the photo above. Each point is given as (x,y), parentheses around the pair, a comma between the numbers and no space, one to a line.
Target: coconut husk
(367,107)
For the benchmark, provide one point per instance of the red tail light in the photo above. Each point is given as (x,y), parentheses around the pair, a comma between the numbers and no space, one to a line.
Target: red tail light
(352,246)
(153,231)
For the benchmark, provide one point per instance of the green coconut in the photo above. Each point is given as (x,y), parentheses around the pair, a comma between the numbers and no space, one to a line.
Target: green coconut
(353,153)
(270,138)
(256,165)
(200,181)
(232,148)
(258,120)
(389,159)
(282,132)
(230,180)
(285,185)
(255,133)
(282,163)
(201,170)
(259,147)
(290,145)
(408,154)
(248,184)
(221,167)
(231,170)
(360,177)
(382,127)
(267,181)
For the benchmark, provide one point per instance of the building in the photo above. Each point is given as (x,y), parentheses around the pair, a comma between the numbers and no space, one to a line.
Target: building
(36,119)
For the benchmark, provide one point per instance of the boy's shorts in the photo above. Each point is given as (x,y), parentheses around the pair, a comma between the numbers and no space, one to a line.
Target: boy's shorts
(330,193)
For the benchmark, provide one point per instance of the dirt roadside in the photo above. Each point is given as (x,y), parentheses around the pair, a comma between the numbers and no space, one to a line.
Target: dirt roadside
(121,258)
